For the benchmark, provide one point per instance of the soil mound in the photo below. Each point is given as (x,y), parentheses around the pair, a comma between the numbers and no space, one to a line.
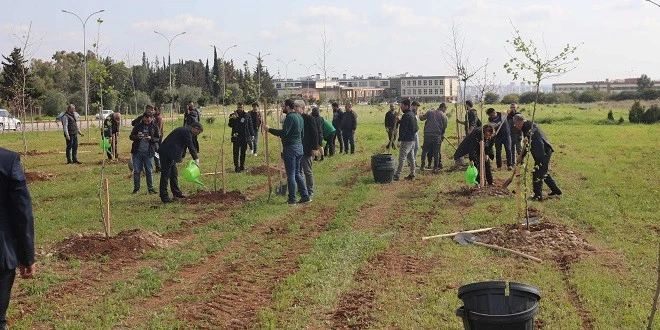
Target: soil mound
(545,240)
(128,244)
(39,176)
(232,197)
(263,169)
(487,191)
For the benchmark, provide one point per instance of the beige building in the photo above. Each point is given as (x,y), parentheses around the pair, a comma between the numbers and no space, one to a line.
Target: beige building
(429,88)
(608,86)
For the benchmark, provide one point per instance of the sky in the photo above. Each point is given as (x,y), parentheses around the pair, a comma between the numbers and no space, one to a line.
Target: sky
(367,37)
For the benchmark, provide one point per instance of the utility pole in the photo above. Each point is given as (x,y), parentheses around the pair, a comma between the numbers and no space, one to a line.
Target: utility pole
(307,67)
(286,73)
(169,65)
(84,24)
(259,60)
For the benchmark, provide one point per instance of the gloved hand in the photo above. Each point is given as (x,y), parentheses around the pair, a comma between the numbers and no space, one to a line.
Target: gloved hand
(197,161)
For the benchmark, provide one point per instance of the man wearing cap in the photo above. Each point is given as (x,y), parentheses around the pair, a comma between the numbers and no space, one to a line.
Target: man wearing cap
(541,151)
(434,131)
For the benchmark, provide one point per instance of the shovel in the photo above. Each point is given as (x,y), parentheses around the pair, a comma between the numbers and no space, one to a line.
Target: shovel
(465,238)
(281,188)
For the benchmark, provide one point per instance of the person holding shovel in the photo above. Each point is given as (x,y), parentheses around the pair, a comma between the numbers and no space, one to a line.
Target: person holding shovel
(145,137)
(434,131)
(171,152)
(292,153)
(541,150)
(471,146)
(502,137)
(241,134)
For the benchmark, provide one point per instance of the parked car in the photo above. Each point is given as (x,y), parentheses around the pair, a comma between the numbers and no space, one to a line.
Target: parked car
(7,121)
(104,114)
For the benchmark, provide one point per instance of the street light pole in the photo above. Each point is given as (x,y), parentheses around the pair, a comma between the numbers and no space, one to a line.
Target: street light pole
(286,72)
(259,59)
(84,24)
(307,67)
(169,65)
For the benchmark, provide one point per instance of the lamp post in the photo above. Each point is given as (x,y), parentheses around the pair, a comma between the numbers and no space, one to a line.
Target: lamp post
(224,82)
(169,65)
(259,59)
(84,24)
(286,72)
(307,67)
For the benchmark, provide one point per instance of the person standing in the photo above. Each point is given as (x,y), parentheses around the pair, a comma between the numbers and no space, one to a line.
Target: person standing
(472,120)
(311,141)
(111,132)
(414,106)
(145,137)
(502,137)
(329,133)
(337,117)
(255,120)
(390,126)
(158,120)
(17,227)
(241,135)
(471,146)
(320,126)
(348,126)
(191,116)
(434,131)
(71,132)
(172,150)
(292,152)
(407,129)
(516,134)
(541,150)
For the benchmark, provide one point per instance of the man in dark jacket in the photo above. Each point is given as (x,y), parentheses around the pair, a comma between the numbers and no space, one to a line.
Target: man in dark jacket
(191,116)
(390,126)
(407,129)
(337,116)
(311,141)
(255,120)
(348,126)
(434,131)
(242,132)
(516,135)
(292,151)
(471,146)
(71,131)
(111,131)
(318,120)
(502,137)
(541,150)
(145,137)
(17,227)
(472,120)
(171,152)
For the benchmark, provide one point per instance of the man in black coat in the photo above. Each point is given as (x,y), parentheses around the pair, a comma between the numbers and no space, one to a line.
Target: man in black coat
(391,121)
(407,130)
(311,144)
(192,115)
(242,132)
(337,116)
(348,126)
(471,146)
(111,131)
(516,135)
(17,227)
(171,152)
(472,120)
(318,120)
(145,136)
(541,150)
(503,137)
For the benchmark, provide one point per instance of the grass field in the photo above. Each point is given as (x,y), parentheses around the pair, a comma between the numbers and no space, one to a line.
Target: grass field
(353,258)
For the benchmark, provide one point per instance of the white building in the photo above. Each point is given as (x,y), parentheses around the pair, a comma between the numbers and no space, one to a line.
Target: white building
(608,86)
(424,88)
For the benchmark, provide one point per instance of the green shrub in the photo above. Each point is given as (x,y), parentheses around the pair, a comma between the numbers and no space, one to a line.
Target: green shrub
(636,112)
(651,115)
(621,120)
(610,116)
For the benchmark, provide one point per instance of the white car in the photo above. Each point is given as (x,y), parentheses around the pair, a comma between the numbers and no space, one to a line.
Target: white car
(104,114)
(7,121)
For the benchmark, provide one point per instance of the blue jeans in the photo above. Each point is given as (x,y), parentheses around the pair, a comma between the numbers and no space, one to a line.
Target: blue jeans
(140,161)
(254,144)
(291,156)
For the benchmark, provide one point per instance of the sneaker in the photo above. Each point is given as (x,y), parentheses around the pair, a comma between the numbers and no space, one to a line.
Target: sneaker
(410,177)
(537,198)
(255,154)
(69,162)
(305,200)
(135,191)
(77,162)
(395,178)
(555,193)
(179,196)
(293,202)
(166,200)
(152,191)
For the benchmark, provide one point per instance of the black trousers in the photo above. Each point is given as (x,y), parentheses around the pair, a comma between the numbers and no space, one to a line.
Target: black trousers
(488,173)
(340,139)
(349,141)
(541,175)
(168,172)
(431,151)
(391,137)
(6,282)
(240,147)
(109,135)
(506,142)
(330,144)
(72,148)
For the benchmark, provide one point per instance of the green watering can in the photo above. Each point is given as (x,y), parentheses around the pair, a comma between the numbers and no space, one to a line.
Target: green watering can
(105,144)
(191,173)
(471,174)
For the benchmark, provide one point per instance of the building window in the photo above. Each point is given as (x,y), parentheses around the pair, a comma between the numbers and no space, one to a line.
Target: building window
(407,82)
(414,91)
(419,82)
(419,91)
(424,82)
(436,82)
(437,91)
(362,84)
(414,82)
(442,82)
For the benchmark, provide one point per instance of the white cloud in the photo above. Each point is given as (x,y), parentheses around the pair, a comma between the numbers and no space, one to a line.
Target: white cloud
(618,5)
(536,12)
(354,36)
(404,16)
(329,12)
(178,23)
(268,34)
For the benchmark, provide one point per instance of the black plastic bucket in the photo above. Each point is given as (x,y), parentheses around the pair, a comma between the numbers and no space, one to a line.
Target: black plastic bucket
(487,307)
(382,166)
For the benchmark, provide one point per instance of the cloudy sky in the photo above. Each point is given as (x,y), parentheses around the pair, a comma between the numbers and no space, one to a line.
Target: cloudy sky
(367,36)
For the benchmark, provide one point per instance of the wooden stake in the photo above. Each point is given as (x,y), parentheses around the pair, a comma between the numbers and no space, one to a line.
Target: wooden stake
(458,232)
(265,134)
(106,189)
(482,162)
(222,170)
(496,247)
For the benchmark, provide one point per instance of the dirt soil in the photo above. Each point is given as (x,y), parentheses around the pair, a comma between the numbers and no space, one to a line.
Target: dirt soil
(545,240)
(473,191)
(37,153)
(263,169)
(128,244)
(39,176)
(232,197)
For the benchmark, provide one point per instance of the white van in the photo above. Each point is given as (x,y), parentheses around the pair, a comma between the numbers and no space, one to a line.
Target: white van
(7,121)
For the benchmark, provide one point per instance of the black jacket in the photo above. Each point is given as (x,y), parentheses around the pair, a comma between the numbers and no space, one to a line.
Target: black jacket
(152,130)
(349,121)
(110,125)
(408,126)
(496,122)
(513,130)
(175,144)
(318,120)
(337,117)
(16,220)
(538,142)
(192,116)
(470,146)
(472,120)
(390,119)
(255,117)
(241,126)
(310,138)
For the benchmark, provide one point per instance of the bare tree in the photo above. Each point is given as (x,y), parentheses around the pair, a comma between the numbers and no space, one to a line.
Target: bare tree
(485,83)
(322,60)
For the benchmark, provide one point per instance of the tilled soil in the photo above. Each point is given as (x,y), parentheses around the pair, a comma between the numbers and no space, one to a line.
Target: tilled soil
(39,176)
(202,197)
(37,153)
(263,170)
(475,192)
(128,244)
